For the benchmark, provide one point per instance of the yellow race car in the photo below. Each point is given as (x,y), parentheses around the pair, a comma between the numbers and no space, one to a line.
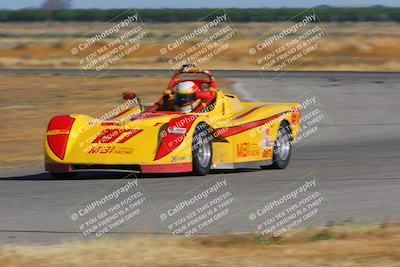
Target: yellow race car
(221,132)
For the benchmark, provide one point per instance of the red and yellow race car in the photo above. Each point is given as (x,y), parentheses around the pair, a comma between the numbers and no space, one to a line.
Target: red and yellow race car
(218,131)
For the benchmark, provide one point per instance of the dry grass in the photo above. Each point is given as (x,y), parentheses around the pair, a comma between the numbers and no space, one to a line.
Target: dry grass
(28,102)
(352,46)
(347,246)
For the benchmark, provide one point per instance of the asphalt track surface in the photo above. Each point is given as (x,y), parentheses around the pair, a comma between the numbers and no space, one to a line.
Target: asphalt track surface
(356,159)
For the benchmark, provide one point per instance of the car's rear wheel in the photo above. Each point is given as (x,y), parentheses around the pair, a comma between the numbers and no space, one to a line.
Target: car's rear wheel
(283,147)
(64,175)
(201,150)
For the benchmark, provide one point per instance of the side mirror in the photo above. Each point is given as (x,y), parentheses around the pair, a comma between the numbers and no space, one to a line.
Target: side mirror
(128,95)
(132,96)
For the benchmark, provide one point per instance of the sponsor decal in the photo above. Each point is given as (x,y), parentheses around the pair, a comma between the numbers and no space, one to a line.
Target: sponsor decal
(176,158)
(56,132)
(267,153)
(111,149)
(266,139)
(247,150)
(176,130)
(267,143)
(296,115)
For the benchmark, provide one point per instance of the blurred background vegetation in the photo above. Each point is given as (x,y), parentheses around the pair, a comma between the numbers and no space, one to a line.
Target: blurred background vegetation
(325,14)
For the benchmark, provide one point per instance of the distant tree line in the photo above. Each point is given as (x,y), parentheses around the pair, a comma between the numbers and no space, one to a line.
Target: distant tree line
(327,14)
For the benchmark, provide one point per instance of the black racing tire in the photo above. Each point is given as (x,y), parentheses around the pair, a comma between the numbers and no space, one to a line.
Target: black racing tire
(64,175)
(283,147)
(201,150)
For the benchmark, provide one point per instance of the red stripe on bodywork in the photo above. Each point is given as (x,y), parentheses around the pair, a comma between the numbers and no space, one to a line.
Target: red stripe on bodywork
(171,141)
(111,135)
(58,142)
(119,114)
(109,124)
(143,116)
(229,131)
(248,112)
(130,134)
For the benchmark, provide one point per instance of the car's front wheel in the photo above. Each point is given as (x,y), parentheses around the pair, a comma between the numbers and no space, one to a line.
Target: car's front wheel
(201,150)
(283,147)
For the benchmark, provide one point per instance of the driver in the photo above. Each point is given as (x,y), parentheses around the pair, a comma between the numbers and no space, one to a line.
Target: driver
(188,96)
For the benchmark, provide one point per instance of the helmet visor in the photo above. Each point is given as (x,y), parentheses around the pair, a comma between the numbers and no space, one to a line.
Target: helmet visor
(183,99)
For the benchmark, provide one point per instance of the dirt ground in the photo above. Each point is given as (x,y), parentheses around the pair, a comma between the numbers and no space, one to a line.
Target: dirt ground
(363,46)
(365,246)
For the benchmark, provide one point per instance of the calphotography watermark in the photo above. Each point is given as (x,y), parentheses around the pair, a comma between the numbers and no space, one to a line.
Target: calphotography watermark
(308,121)
(314,120)
(192,132)
(207,39)
(118,125)
(297,205)
(205,207)
(289,44)
(110,210)
(111,43)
